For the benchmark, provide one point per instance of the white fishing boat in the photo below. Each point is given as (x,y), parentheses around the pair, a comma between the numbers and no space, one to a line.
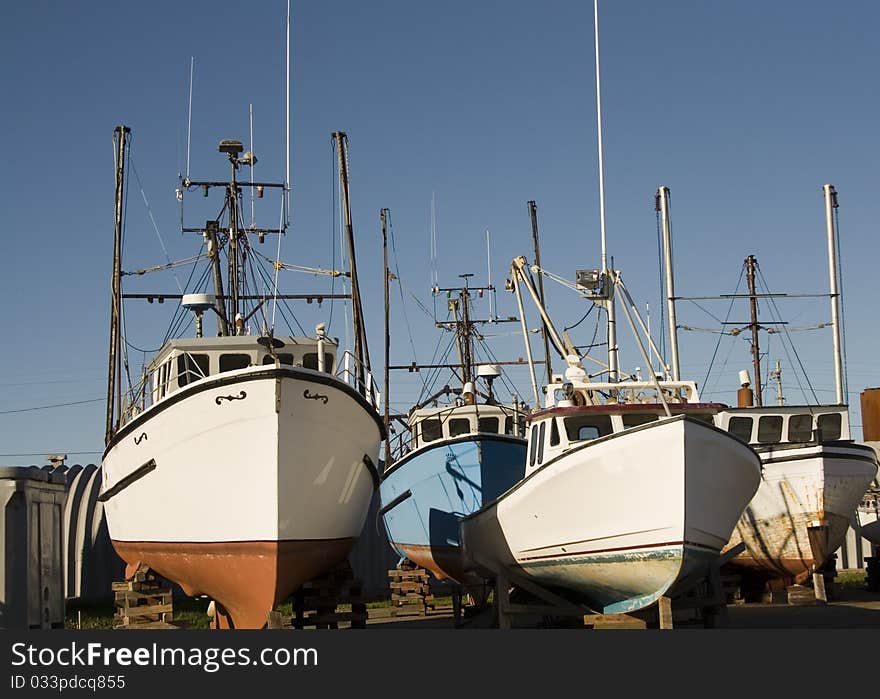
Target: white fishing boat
(814,477)
(813,473)
(242,465)
(630,491)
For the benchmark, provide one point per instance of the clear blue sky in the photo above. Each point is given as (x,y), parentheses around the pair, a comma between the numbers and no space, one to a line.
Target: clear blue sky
(743,109)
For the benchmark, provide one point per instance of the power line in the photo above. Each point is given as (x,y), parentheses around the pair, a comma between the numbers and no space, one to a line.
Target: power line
(56,405)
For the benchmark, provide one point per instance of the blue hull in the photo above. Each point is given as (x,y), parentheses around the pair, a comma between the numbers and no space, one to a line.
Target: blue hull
(426,493)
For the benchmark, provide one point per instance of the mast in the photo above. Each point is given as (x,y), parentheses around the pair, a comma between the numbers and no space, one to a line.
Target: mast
(830,205)
(663,197)
(233,274)
(609,274)
(467,340)
(533,215)
(751,264)
(113,361)
(360,344)
(383,217)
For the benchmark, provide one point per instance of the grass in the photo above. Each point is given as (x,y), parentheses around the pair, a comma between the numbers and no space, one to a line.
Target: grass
(852,578)
(189,612)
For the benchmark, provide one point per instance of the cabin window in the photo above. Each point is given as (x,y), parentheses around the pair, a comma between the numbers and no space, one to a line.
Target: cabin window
(534,446)
(584,427)
(800,428)
(488,424)
(283,358)
(310,361)
(191,367)
(769,429)
(541,442)
(431,430)
(829,426)
(164,378)
(636,419)
(231,362)
(741,427)
(554,433)
(459,425)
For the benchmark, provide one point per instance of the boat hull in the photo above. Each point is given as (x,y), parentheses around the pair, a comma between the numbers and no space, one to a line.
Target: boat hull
(801,511)
(580,524)
(439,484)
(244,487)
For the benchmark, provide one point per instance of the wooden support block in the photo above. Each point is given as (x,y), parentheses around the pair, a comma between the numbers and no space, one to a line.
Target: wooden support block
(664,608)
(819,588)
(614,621)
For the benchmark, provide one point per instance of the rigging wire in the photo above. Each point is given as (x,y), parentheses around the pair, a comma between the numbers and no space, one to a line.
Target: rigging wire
(729,309)
(152,218)
(400,285)
(55,405)
(786,335)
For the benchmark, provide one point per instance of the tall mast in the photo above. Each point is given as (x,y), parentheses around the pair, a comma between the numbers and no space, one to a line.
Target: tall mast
(113,368)
(361,354)
(383,217)
(830,205)
(232,203)
(751,265)
(663,197)
(611,276)
(533,215)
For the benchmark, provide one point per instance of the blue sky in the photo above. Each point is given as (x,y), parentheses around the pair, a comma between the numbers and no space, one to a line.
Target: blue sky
(743,109)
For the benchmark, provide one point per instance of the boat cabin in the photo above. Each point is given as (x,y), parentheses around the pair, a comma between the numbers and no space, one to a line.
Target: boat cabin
(182,361)
(447,422)
(782,424)
(554,431)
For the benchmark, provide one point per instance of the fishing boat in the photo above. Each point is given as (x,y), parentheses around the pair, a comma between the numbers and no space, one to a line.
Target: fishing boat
(452,458)
(243,463)
(630,491)
(814,478)
(813,473)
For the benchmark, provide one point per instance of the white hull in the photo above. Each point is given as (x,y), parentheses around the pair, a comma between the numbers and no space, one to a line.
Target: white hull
(273,465)
(618,521)
(804,488)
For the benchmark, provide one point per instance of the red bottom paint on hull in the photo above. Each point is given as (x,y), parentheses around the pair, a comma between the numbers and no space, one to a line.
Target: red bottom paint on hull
(246,578)
(445,563)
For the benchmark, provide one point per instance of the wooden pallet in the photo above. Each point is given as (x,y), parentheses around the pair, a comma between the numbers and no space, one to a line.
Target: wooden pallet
(410,590)
(317,603)
(142,603)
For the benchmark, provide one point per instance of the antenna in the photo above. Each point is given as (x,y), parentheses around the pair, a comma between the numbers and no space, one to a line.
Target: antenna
(192,62)
(489,274)
(253,224)
(609,304)
(287,136)
(435,281)
(599,130)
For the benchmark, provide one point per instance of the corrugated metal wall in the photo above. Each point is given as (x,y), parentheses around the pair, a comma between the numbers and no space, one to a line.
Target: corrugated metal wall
(90,562)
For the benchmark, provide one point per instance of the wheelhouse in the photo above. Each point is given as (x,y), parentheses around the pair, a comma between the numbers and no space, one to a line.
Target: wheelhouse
(432,424)
(789,424)
(556,430)
(181,362)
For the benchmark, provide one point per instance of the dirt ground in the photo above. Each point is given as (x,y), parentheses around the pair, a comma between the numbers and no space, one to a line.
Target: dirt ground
(852,608)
